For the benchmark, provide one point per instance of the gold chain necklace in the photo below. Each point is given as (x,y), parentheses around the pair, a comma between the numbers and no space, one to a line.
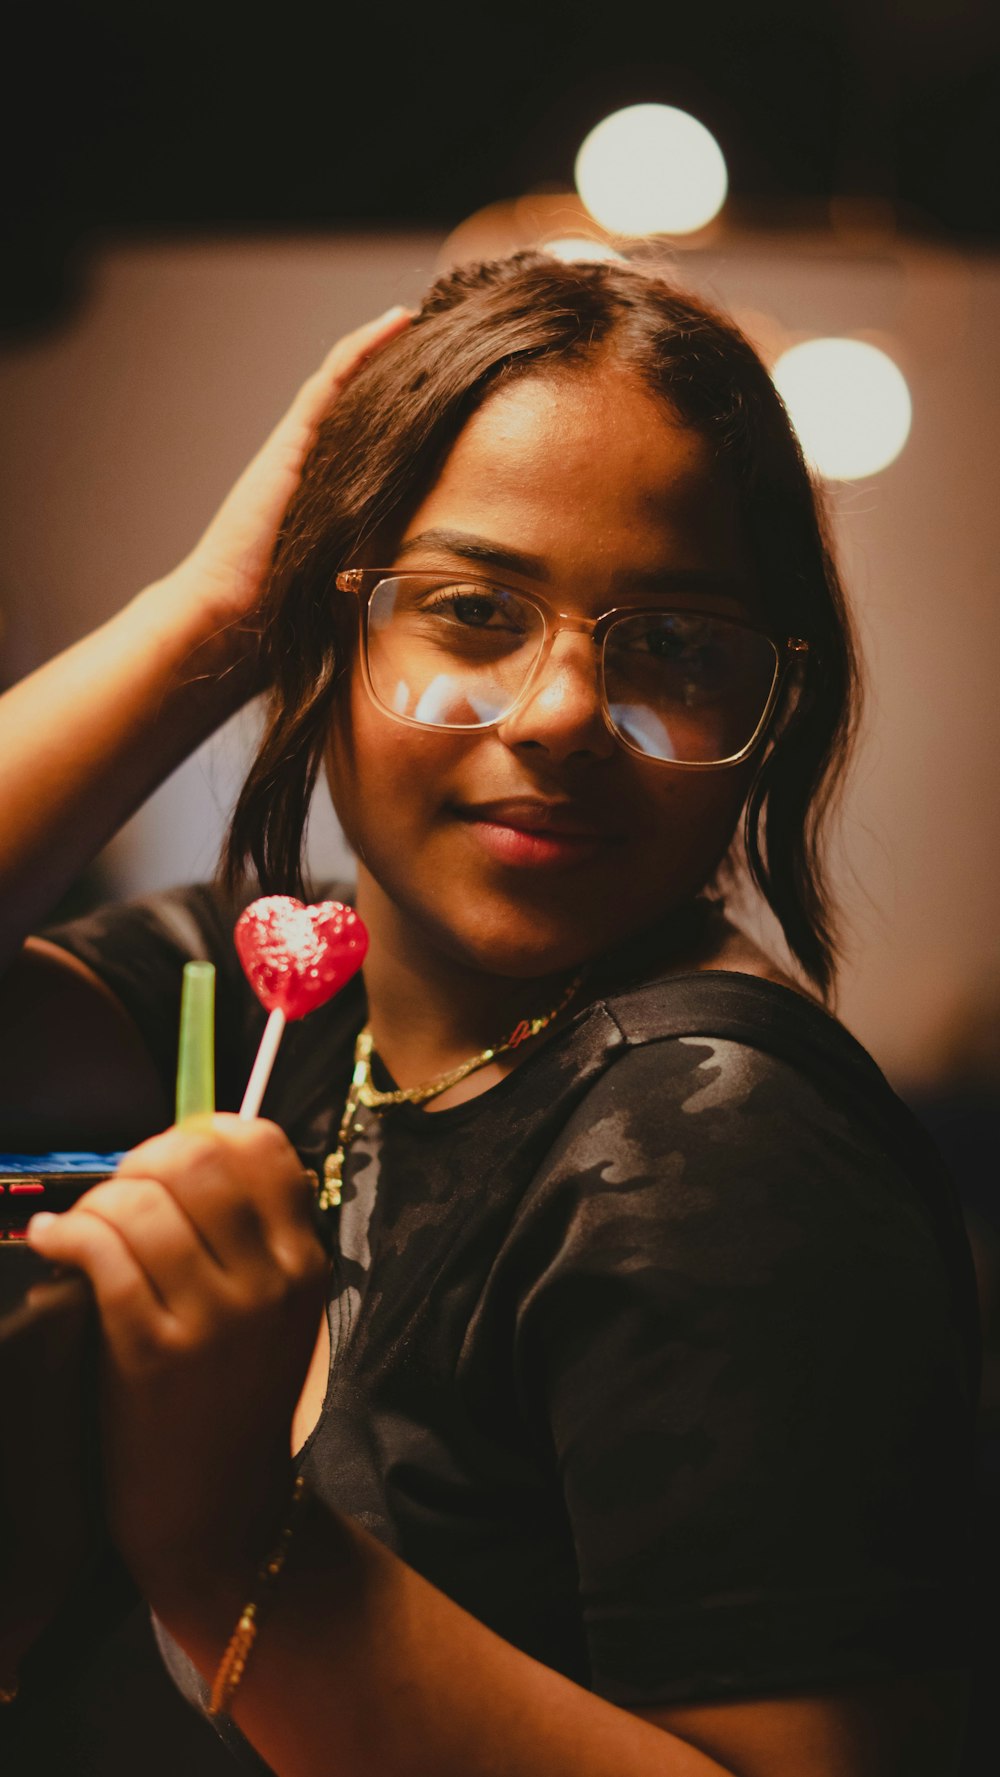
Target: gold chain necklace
(362,1092)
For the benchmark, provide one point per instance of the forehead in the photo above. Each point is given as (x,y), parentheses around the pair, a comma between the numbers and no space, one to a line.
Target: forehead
(587,466)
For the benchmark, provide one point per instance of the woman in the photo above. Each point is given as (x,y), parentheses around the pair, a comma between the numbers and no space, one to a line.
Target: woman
(637,1433)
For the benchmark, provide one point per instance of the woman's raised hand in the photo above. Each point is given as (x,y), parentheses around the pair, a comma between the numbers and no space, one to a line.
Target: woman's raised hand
(87,737)
(210,1283)
(227,567)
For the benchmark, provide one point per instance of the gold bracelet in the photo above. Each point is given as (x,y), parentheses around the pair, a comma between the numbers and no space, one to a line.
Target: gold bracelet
(233,1663)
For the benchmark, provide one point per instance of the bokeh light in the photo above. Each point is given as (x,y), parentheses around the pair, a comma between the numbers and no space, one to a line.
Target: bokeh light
(577,247)
(651,169)
(849,404)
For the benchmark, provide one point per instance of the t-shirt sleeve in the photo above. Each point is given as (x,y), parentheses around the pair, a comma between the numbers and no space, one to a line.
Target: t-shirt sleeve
(744,1353)
(139,948)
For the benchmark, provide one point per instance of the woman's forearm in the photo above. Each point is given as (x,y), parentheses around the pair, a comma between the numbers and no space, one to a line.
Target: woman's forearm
(86,738)
(364,1667)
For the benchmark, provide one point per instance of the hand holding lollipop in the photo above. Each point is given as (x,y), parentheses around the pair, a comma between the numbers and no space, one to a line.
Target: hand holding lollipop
(180,1274)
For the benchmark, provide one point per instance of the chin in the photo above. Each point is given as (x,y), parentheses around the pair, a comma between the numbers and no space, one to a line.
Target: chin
(526,945)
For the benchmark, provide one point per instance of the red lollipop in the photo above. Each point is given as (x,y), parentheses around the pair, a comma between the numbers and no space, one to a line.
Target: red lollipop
(295,958)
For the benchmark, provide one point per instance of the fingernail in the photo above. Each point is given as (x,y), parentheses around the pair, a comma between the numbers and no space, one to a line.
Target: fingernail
(38,1224)
(394,314)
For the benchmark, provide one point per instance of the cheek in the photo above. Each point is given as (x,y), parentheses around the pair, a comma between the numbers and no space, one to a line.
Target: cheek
(346,750)
(692,818)
(382,775)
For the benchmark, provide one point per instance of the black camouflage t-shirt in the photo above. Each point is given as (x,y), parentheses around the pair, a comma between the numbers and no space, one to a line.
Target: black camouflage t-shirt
(660,1357)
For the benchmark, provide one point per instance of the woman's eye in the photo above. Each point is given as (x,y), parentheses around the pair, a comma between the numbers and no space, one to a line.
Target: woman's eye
(475,609)
(687,660)
(664,642)
(667,647)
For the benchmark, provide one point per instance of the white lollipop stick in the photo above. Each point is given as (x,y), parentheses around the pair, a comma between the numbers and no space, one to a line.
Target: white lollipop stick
(260,1073)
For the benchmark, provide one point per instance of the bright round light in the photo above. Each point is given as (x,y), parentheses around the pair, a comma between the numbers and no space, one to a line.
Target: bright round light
(848,402)
(572,248)
(651,169)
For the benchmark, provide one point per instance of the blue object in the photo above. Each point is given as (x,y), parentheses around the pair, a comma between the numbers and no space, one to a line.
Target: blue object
(10,1163)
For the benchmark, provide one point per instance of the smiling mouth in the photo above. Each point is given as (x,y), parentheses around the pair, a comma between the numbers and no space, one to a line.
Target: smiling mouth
(560,820)
(535,833)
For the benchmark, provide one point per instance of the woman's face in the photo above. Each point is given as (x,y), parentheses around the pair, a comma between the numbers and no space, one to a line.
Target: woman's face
(580,486)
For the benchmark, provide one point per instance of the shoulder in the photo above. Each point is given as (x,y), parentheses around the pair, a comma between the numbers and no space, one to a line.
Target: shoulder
(726,1055)
(690,1138)
(91,1009)
(709,1189)
(733,1111)
(753,1023)
(194,922)
(136,952)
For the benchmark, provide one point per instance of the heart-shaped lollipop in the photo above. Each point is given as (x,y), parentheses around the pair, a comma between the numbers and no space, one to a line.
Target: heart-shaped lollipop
(295,958)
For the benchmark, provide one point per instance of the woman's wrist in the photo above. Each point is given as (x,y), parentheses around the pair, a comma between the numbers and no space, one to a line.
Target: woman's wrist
(350,1626)
(232,1666)
(204,1578)
(209,650)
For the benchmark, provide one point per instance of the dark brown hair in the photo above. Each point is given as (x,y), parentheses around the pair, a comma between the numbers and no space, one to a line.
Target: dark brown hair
(379,449)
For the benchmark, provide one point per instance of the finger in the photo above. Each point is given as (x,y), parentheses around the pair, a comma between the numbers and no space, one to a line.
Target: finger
(283,1192)
(246,520)
(241,1184)
(131,1312)
(170,1249)
(345,359)
(193,1167)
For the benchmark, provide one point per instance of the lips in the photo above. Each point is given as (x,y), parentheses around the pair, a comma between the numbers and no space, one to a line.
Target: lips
(531,814)
(530,833)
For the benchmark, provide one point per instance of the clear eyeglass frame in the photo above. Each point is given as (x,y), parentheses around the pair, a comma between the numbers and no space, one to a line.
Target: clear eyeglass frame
(364,583)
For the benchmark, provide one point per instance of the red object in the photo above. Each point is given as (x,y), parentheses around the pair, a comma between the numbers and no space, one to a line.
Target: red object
(297,957)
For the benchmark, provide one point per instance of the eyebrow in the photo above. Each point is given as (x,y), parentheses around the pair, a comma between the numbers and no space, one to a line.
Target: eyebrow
(487,554)
(476,549)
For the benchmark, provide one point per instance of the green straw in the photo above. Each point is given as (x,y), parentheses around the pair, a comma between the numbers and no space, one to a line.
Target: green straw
(196,1053)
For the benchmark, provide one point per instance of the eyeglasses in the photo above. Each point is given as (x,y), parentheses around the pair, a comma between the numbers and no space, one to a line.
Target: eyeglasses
(685,687)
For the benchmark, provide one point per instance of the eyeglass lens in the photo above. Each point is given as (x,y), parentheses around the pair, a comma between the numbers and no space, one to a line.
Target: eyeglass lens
(676,686)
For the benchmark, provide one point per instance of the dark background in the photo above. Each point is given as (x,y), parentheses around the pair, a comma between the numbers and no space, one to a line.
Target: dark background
(127,116)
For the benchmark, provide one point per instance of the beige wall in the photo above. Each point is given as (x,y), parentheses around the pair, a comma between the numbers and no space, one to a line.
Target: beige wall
(123,430)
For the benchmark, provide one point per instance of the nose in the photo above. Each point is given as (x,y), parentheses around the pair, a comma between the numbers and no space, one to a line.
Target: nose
(562,711)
